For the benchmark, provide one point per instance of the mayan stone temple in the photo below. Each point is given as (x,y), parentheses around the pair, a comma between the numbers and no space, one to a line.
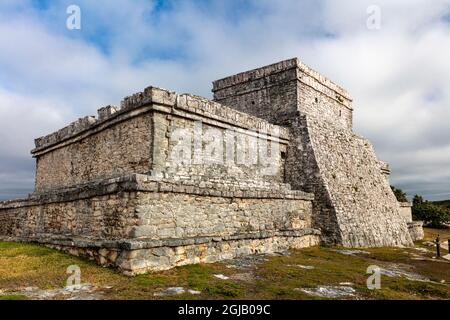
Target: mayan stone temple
(171,179)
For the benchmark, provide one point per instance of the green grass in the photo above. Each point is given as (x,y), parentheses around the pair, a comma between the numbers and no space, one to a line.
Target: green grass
(13,297)
(277,277)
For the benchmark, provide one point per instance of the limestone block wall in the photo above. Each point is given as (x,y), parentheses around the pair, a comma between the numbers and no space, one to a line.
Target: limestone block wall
(305,174)
(166,215)
(137,206)
(269,93)
(138,223)
(356,206)
(322,103)
(280,91)
(416,230)
(228,149)
(145,134)
(322,99)
(92,213)
(206,250)
(114,149)
(406,211)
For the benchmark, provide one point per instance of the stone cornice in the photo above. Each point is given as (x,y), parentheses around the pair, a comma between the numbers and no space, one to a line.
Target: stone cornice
(147,183)
(147,101)
(275,68)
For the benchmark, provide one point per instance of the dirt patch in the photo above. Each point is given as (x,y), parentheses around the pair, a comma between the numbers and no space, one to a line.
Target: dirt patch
(351,252)
(330,291)
(75,292)
(401,270)
(248,262)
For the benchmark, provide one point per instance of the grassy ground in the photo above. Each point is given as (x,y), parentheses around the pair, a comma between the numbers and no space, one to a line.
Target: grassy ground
(431,234)
(270,277)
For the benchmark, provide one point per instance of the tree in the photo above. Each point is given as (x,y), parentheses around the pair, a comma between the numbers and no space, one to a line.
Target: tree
(417,200)
(431,214)
(399,194)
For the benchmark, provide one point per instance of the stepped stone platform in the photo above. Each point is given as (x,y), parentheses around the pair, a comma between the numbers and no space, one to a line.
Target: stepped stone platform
(140,224)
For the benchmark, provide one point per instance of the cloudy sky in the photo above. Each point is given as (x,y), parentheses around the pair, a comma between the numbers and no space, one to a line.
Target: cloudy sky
(398,74)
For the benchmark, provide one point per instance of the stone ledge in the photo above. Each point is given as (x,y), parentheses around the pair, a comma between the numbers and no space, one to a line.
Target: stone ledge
(67,135)
(147,183)
(406,205)
(385,168)
(138,261)
(219,112)
(145,244)
(254,74)
(135,244)
(149,99)
(415,224)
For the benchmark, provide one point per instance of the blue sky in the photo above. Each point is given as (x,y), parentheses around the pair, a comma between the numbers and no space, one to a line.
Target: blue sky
(398,75)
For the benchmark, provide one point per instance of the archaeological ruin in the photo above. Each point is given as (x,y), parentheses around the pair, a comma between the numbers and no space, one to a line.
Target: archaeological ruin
(168,179)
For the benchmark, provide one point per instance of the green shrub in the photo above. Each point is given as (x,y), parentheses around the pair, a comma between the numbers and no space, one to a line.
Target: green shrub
(431,214)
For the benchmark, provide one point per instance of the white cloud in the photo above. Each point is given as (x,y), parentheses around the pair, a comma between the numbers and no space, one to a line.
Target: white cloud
(21,119)
(24,116)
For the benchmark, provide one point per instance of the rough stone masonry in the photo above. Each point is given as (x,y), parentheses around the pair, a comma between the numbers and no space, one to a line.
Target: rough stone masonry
(170,179)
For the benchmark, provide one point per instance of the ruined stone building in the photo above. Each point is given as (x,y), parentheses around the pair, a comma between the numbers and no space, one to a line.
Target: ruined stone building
(170,179)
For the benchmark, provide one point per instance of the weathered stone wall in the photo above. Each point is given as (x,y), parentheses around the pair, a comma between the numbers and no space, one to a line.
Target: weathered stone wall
(141,136)
(304,174)
(354,204)
(137,206)
(123,147)
(161,258)
(100,217)
(101,210)
(415,229)
(127,221)
(325,105)
(406,211)
(214,153)
(165,215)
(139,257)
(279,91)
(345,170)
(223,144)
(269,93)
